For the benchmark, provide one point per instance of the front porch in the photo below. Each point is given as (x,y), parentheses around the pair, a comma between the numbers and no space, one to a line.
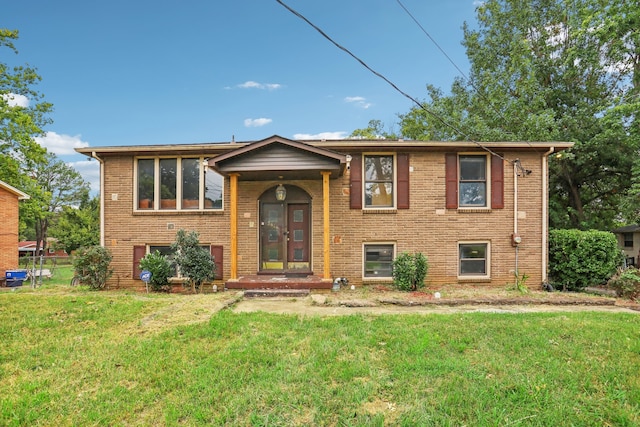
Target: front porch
(278,281)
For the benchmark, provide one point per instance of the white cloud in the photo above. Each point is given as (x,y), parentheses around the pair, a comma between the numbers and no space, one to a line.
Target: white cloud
(60,144)
(13,99)
(90,172)
(321,135)
(255,85)
(256,123)
(358,101)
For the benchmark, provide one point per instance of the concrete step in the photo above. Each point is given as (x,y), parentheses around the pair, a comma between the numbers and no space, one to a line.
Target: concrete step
(270,293)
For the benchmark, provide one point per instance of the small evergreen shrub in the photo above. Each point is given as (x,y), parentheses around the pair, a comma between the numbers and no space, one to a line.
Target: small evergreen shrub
(160,269)
(193,261)
(626,283)
(578,259)
(409,271)
(91,266)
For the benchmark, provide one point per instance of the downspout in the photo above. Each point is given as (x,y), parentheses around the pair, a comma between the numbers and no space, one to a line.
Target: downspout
(545,213)
(515,214)
(95,156)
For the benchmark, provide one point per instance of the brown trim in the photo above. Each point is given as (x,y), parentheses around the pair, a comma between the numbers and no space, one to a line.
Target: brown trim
(403,180)
(451,179)
(216,254)
(497,182)
(356,182)
(138,253)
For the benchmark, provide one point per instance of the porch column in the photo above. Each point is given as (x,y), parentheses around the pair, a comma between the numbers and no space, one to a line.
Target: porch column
(233,213)
(326,229)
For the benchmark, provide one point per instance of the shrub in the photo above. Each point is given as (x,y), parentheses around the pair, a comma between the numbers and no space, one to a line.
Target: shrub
(193,261)
(409,271)
(578,259)
(160,269)
(91,266)
(626,283)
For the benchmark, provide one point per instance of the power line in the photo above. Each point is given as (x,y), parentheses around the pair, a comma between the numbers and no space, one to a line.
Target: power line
(469,80)
(406,95)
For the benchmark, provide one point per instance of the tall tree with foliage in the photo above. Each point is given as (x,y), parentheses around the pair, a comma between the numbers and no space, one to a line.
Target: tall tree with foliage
(77,226)
(53,185)
(549,70)
(23,115)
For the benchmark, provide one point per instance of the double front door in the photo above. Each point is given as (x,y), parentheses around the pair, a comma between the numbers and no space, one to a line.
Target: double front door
(284,237)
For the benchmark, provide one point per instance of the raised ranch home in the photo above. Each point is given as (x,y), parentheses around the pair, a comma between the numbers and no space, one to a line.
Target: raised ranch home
(9,198)
(288,213)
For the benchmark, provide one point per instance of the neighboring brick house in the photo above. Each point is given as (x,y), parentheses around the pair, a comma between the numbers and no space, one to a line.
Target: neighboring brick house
(299,214)
(9,197)
(28,248)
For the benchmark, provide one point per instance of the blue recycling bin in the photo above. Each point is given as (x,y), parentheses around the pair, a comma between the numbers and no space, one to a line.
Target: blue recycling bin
(16,277)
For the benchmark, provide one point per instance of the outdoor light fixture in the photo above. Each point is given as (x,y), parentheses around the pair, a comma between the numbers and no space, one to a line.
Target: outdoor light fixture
(281,193)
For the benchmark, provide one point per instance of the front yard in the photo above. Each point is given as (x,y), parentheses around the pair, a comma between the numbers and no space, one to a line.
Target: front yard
(74,357)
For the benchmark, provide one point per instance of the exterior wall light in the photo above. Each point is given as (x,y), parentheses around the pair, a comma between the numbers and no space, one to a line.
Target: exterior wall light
(281,193)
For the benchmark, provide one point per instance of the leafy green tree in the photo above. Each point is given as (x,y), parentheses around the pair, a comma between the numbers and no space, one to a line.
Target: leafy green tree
(75,227)
(193,261)
(52,186)
(23,115)
(374,130)
(91,266)
(547,70)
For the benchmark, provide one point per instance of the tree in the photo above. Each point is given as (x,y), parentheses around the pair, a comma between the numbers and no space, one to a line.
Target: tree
(549,70)
(374,130)
(76,227)
(23,115)
(53,185)
(193,261)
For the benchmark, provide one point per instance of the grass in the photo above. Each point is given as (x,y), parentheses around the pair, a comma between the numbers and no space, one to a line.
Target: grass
(76,357)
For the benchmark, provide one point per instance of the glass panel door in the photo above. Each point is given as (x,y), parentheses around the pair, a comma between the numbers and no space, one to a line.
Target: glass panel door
(272,236)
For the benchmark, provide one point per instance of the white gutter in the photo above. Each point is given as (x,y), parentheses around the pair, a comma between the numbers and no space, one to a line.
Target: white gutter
(95,156)
(515,215)
(545,212)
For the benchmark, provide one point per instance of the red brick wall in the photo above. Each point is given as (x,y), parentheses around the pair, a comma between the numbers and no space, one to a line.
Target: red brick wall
(427,226)
(8,231)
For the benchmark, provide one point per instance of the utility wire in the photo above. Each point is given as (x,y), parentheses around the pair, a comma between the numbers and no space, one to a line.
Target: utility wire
(412,99)
(468,79)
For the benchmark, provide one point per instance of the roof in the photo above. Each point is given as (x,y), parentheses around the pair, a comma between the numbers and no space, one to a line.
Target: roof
(351,145)
(633,228)
(10,189)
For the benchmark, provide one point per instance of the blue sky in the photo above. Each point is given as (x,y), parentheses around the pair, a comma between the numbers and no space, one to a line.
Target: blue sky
(124,72)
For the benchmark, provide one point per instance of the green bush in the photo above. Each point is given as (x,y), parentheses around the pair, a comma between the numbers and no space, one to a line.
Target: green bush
(160,269)
(193,261)
(626,283)
(578,259)
(91,266)
(409,271)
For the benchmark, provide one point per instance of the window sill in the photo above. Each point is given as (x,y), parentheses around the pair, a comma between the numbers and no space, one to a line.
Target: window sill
(380,211)
(178,212)
(474,210)
(376,280)
(474,279)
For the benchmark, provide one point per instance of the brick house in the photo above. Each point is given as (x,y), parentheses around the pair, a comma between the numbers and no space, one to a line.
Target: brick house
(279,212)
(9,198)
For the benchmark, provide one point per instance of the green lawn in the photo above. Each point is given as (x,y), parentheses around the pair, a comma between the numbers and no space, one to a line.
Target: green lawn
(75,357)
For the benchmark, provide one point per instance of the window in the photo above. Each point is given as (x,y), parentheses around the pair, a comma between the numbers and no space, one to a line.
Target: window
(473,181)
(378,260)
(473,259)
(628,240)
(177,183)
(216,253)
(378,181)
(169,253)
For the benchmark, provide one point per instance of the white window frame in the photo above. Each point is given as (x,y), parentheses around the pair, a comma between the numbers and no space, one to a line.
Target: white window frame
(487,260)
(394,181)
(487,174)
(364,261)
(156,181)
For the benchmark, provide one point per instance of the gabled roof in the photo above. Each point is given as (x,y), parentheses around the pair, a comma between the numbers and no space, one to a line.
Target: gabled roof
(279,158)
(13,190)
